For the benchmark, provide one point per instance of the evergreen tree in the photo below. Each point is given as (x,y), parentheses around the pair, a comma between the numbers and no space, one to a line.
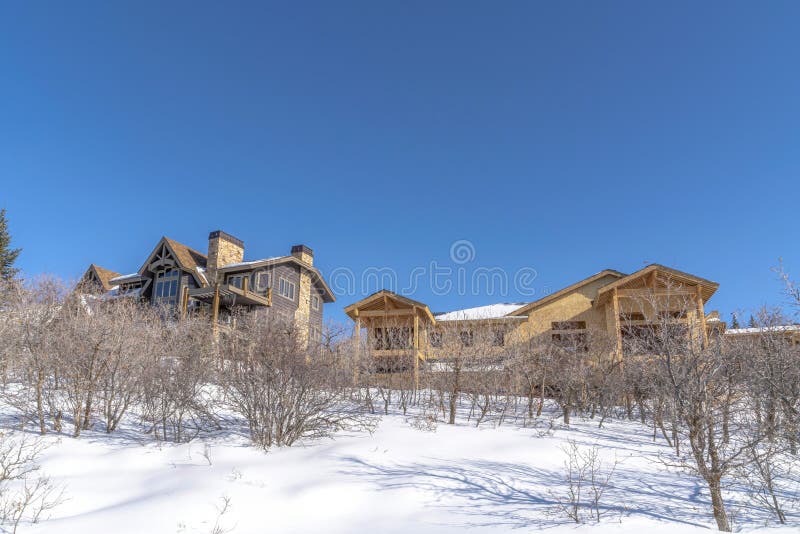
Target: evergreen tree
(735,321)
(8,255)
(752,323)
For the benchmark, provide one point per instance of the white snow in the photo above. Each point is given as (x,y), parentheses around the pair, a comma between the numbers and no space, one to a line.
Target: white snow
(763,329)
(398,480)
(125,277)
(251,262)
(492,311)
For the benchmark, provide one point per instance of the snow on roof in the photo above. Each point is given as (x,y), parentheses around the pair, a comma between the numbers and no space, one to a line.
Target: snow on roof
(492,311)
(251,262)
(125,277)
(763,329)
(202,274)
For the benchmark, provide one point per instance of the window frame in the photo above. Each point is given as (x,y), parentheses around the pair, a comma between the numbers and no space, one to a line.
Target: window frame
(231,277)
(166,286)
(290,287)
(258,276)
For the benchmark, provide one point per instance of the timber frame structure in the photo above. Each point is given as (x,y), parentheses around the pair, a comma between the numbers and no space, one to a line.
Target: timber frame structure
(610,306)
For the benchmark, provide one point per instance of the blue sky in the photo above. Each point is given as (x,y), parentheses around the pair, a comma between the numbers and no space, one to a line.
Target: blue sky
(561,137)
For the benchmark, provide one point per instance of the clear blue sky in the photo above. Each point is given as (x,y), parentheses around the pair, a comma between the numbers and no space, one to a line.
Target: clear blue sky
(566,137)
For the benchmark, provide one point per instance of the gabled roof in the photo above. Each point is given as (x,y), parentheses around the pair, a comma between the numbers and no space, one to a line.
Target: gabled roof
(376,298)
(316,275)
(187,258)
(707,287)
(560,293)
(102,274)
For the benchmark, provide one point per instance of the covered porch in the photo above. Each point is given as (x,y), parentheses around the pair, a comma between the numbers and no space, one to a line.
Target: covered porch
(224,297)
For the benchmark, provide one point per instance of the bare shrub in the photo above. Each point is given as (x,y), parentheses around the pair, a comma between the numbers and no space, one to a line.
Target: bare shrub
(283,393)
(176,403)
(24,496)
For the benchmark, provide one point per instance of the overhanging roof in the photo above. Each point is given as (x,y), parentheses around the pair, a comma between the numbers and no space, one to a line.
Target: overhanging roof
(231,294)
(104,275)
(378,302)
(316,276)
(639,279)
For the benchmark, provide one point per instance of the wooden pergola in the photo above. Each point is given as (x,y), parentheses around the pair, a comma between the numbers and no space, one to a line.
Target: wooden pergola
(384,310)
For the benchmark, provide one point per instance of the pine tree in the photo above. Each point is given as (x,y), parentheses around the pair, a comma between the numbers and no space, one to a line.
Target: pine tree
(735,321)
(7,255)
(752,323)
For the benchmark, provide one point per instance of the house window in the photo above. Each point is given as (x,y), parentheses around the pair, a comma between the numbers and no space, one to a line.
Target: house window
(286,288)
(261,282)
(129,288)
(467,338)
(631,316)
(166,288)
(315,334)
(498,338)
(235,280)
(315,302)
(435,339)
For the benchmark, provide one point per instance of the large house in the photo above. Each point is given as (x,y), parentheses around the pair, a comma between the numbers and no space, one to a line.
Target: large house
(182,280)
(609,307)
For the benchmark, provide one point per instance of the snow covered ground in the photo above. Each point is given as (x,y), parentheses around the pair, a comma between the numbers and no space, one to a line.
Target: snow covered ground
(399,479)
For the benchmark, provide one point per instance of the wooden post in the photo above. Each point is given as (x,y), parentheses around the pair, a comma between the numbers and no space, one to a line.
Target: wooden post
(617,326)
(184,302)
(215,311)
(701,316)
(416,349)
(245,284)
(357,348)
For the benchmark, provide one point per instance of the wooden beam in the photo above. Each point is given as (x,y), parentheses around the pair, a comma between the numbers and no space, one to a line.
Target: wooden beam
(386,313)
(638,293)
(215,310)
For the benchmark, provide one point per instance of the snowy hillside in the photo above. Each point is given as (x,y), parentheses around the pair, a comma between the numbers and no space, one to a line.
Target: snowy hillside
(399,479)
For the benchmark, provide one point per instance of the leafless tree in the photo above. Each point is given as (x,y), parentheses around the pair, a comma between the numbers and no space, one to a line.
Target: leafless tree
(586,479)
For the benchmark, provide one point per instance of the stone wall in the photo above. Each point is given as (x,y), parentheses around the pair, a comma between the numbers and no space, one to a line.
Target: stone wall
(223,249)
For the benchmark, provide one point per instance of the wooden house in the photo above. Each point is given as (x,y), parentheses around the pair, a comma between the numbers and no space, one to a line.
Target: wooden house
(182,280)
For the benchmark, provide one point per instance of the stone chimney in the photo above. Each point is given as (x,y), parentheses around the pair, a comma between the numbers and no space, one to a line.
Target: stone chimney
(223,249)
(303,253)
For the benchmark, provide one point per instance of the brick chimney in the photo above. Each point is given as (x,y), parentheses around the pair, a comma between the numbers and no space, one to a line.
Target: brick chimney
(223,249)
(303,253)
